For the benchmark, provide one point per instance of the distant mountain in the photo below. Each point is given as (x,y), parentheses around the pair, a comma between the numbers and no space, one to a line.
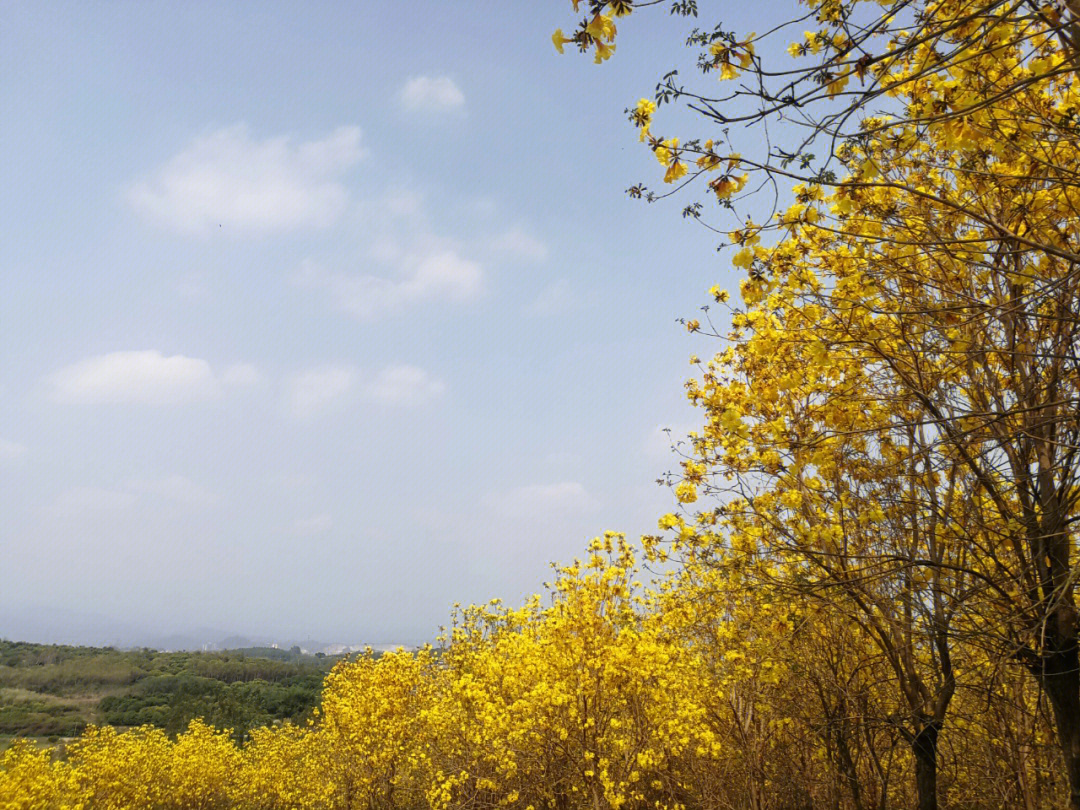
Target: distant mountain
(49,625)
(239,643)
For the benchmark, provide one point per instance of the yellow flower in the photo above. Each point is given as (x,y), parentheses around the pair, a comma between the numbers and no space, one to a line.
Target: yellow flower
(601,28)
(686,492)
(559,40)
(603,52)
(727,185)
(676,170)
(666,150)
(708,161)
(746,58)
(838,84)
(642,116)
(744,258)
(667,521)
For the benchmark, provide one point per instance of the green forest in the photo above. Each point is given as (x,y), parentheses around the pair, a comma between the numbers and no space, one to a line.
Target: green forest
(53,691)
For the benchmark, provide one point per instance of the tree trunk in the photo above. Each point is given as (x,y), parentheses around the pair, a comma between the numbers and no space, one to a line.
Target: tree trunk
(848,769)
(924,746)
(1060,679)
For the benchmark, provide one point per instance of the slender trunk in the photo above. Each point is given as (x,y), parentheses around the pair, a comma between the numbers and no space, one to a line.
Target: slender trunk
(848,769)
(1060,677)
(924,745)
(1022,755)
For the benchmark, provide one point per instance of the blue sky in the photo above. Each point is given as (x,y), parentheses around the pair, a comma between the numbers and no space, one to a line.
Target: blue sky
(317,318)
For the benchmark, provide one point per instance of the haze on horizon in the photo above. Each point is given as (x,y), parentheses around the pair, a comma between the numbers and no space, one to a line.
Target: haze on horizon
(319,318)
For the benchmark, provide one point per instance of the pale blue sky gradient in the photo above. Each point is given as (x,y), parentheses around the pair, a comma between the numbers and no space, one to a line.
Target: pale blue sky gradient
(317,318)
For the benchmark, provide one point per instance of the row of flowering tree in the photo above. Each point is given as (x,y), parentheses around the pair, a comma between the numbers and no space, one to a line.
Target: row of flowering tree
(867,597)
(698,692)
(892,425)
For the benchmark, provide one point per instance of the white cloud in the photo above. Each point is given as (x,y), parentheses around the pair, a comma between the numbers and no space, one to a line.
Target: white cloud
(143,377)
(229,180)
(326,388)
(241,374)
(431,94)
(403,261)
(317,390)
(519,244)
(408,386)
(403,202)
(174,488)
(441,275)
(11,450)
(541,500)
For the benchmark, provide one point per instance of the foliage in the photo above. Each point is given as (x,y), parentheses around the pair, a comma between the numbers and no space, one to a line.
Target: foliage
(867,592)
(694,692)
(56,691)
(892,428)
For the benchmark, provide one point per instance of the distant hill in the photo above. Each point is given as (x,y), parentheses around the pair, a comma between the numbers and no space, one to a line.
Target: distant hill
(50,625)
(56,690)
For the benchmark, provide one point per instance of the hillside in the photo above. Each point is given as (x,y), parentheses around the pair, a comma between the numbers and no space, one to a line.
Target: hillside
(53,691)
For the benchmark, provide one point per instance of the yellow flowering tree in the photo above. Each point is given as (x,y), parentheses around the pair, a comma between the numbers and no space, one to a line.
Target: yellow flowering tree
(902,382)
(114,770)
(30,779)
(584,702)
(285,767)
(371,732)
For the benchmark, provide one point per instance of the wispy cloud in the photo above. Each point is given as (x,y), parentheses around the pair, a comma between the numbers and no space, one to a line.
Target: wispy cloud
(139,377)
(519,244)
(230,180)
(431,94)
(145,377)
(404,385)
(329,388)
(318,390)
(442,274)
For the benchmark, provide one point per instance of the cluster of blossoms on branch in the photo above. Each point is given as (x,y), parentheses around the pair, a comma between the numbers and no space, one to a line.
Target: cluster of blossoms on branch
(605,694)
(866,595)
(892,428)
